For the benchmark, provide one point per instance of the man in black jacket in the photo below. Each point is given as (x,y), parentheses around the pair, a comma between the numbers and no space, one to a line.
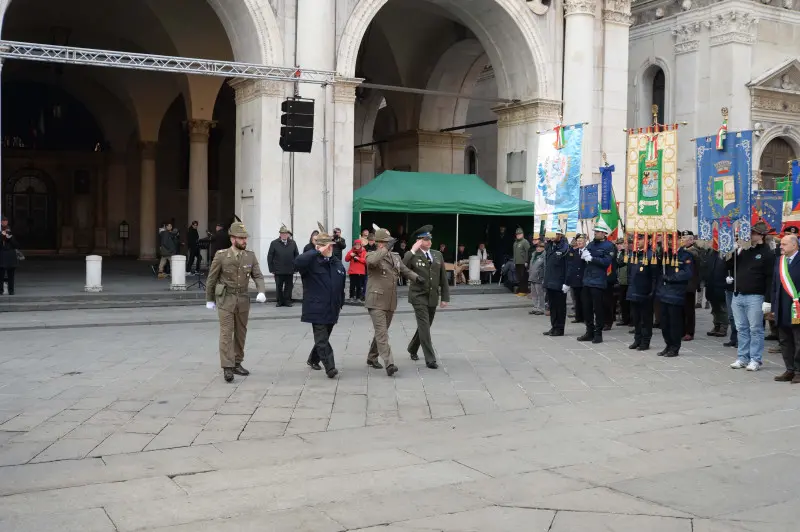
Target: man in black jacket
(339,243)
(280,261)
(555,277)
(193,243)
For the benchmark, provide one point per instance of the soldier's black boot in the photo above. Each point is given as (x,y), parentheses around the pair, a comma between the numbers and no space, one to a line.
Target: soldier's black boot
(643,347)
(239,370)
(314,365)
(331,373)
(391,369)
(671,352)
(586,337)
(432,365)
(228,374)
(414,356)
(374,363)
(598,339)
(663,352)
(635,344)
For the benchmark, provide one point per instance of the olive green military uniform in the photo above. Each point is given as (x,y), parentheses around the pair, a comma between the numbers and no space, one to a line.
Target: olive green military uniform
(227,286)
(424,298)
(384,268)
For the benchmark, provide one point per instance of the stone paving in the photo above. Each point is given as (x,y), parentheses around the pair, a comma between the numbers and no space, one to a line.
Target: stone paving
(131,427)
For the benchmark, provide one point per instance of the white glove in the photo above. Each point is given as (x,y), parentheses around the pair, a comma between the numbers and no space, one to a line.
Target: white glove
(210,305)
(729,279)
(737,247)
(766,307)
(261,297)
(564,288)
(587,257)
(584,251)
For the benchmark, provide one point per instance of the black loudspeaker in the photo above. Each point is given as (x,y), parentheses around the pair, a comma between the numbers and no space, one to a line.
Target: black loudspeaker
(297,125)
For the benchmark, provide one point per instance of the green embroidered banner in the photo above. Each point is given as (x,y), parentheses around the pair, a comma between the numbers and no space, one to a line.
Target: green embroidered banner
(649,201)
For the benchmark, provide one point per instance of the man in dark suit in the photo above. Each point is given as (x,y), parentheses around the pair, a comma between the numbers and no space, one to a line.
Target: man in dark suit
(784,297)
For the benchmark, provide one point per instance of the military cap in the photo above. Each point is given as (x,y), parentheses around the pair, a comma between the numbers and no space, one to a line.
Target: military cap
(792,230)
(519,231)
(760,228)
(381,235)
(687,233)
(238,230)
(602,226)
(424,232)
(323,238)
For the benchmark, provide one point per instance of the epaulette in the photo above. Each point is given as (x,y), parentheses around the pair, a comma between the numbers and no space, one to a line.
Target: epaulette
(220,251)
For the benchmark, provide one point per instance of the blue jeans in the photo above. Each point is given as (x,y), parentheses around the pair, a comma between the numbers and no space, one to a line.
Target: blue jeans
(731,319)
(749,318)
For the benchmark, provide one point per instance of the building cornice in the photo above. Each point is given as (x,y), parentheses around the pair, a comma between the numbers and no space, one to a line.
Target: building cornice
(580,7)
(532,111)
(617,12)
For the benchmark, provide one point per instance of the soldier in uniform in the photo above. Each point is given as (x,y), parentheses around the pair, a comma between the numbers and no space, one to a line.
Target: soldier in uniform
(598,255)
(671,293)
(227,291)
(384,268)
(424,296)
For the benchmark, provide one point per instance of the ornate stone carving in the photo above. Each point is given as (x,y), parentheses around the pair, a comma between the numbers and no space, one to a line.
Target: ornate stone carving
(579,7)
(344,89)
(660,13)
(200,129)
(529,112)
(788,4)
(767,103)
(617,11)
(249,89)
(686,38)
(734,26)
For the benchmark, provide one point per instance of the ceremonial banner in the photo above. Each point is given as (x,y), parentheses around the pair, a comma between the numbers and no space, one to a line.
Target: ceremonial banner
(784,184)
(768,206)
(558,177)
(606,193)
(652,180)
(589,200)
(795,186)
(724,183)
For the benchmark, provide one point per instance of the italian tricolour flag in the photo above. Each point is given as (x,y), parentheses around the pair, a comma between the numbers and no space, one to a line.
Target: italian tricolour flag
(612,219)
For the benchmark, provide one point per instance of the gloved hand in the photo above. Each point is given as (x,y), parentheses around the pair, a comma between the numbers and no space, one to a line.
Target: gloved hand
(729,279)
(564,288)
(766,307)
(587,257)
(737,247)
(261,297)
(210,305)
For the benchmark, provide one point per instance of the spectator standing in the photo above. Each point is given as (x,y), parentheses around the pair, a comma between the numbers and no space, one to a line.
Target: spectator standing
(691,288)
(168,247)
(8,256)
(280,261)
(521,248)
(193,243)
(555,277)
(312,241)
(536,279)
(357,257)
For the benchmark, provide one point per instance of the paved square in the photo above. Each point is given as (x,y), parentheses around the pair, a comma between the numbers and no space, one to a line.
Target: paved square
(106,425)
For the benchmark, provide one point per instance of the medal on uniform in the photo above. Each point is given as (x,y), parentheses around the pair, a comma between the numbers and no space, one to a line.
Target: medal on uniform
(789,288)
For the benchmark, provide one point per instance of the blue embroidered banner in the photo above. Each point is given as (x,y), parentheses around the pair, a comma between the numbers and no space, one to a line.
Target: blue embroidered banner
(724,182)
(768,206)
(588,210)
(606,197)
(558,179)
(795,186)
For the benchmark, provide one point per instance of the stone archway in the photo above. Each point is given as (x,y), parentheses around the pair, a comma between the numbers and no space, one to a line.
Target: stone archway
(790,135)
(506,28)
(30,202)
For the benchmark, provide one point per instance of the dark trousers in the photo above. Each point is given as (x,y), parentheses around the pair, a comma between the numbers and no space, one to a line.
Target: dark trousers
(672,324)
(593,310)
(656,313)
(322,352)
(609,306)
(624,305)
(356,286)
(790,347)
(642,317)
(558,310)
(194,253)
(7,273)
(688,313)
(364,287)
(283,285)
(522,279)
(422,337)
(577,298)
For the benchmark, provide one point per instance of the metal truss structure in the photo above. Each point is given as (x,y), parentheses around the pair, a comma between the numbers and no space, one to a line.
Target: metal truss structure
(70,55)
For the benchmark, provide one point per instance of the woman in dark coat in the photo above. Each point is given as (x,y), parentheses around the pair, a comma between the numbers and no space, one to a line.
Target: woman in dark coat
(311,241)
(8,256)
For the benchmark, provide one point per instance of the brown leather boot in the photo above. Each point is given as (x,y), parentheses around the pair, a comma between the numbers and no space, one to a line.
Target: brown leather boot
(796,379)
(786,376)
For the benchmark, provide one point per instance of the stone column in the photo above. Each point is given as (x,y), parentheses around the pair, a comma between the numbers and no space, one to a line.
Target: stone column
(198,172)
(147,203)
(262,183)
(517,126)
(687,63)
(616,26)
(100,231)
(344,97)
(579,74)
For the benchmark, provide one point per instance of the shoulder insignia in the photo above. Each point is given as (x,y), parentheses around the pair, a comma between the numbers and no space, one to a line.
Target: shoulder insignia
(220,251)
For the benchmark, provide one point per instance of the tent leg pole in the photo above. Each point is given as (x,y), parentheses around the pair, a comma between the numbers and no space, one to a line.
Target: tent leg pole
(455,261)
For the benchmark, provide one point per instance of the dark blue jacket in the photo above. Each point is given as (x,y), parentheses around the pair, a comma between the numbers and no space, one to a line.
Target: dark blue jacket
(555,264)
(781,302)
(575,268)
(604,253)
(716,272)
(641,279)
(671,287)
(323,287)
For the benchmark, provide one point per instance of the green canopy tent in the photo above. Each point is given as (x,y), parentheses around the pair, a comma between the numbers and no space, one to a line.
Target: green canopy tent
(428,192)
